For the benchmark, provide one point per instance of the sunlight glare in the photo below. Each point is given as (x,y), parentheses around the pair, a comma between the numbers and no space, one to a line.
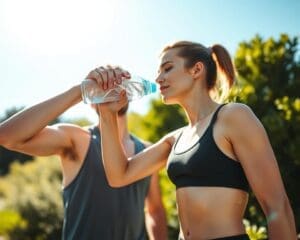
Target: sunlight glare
(53,27)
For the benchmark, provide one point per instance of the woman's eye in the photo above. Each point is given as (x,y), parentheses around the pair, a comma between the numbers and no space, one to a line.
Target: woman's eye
(167,69)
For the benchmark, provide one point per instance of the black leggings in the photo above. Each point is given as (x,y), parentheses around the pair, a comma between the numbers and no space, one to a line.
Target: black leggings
(236,237)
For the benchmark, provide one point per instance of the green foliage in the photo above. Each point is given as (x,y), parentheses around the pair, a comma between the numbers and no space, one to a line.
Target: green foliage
(8,156)
(269,82)
(254,232)
(10,220)
(33,190)
(168,191)
(267,70)
(159,121)
(78,121)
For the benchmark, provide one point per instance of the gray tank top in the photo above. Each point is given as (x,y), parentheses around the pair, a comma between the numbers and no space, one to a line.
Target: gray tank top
(93,210)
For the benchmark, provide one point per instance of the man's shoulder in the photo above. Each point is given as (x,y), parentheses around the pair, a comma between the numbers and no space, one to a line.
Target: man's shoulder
(72,130)
(142,141)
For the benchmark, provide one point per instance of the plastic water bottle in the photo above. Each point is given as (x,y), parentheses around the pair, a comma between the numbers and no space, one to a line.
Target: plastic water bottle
(135,87)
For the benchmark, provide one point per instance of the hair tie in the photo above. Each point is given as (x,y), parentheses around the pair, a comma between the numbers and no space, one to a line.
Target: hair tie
(210,50)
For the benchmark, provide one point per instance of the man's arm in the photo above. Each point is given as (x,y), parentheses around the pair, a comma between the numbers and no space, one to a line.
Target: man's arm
(155,214)
(28,132)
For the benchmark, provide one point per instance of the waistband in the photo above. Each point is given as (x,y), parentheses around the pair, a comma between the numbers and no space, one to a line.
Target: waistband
(236,237)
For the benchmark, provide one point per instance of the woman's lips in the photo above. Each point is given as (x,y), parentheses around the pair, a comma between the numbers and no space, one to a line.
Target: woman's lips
(163,88)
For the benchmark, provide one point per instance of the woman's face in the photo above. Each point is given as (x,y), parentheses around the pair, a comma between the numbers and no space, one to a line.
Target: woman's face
(174,79)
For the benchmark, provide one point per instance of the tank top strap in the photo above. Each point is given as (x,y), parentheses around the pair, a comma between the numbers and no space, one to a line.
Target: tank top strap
(138,145)
(214,117)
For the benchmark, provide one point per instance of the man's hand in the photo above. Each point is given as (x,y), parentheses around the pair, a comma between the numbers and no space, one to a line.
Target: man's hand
(108,77)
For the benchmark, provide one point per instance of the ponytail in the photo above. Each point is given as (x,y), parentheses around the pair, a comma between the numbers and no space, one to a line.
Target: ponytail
(225,68)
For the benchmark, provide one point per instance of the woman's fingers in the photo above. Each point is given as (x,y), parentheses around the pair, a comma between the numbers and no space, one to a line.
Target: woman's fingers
(108,76)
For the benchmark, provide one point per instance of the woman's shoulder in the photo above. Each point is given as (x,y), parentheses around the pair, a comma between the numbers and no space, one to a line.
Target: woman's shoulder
(236,112)
(236,108)
(238,116)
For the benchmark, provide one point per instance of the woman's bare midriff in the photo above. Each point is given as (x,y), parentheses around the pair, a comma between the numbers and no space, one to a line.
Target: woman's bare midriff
(210,212)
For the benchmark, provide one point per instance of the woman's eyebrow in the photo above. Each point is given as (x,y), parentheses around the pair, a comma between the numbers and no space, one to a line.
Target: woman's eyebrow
(163,64)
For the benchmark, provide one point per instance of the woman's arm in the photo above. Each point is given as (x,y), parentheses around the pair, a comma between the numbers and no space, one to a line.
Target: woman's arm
(253,149)
(121,171)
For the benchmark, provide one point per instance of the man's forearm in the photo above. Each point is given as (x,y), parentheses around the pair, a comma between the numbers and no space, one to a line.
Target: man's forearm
(156,225)
(25,124)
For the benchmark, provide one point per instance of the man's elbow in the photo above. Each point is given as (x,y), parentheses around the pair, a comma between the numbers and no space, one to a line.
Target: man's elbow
(6,142)
(2,138)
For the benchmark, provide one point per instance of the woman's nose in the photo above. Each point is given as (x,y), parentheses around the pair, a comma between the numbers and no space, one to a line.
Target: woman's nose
(159,79)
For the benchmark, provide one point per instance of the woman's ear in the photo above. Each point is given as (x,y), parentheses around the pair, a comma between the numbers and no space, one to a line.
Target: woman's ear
(197,70)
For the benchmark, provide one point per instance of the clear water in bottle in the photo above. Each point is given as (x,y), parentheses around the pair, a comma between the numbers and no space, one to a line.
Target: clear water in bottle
(135,87)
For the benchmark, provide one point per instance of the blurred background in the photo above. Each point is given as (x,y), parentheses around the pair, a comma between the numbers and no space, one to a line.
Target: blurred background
(48,46)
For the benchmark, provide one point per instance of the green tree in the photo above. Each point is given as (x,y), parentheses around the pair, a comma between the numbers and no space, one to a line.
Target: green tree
(10,220)
(158,121)
(81,121)
(269,82)
(33,191)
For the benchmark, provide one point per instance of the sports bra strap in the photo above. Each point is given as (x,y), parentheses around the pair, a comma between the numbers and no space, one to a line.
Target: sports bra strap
(214,118)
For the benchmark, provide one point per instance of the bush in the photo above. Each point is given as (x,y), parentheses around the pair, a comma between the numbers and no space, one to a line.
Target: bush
(31,196)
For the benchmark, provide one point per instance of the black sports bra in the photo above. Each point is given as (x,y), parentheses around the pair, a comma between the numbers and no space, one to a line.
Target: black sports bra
(204,164)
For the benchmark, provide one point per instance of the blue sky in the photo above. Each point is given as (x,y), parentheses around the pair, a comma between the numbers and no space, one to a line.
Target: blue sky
(46,46)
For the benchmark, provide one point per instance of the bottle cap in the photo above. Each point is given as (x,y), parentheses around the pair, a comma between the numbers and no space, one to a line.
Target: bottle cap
(153,87)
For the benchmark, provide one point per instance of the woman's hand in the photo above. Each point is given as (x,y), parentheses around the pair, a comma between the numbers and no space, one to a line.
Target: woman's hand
(112,108)
(108,77)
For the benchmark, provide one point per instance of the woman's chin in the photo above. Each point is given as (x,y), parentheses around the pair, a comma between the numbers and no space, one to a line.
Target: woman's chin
(167,101)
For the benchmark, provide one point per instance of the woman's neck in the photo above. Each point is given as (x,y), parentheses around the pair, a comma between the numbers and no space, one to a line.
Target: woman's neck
(199,108)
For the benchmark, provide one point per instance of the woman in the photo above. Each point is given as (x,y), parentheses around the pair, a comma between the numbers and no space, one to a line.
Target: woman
(223,149)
